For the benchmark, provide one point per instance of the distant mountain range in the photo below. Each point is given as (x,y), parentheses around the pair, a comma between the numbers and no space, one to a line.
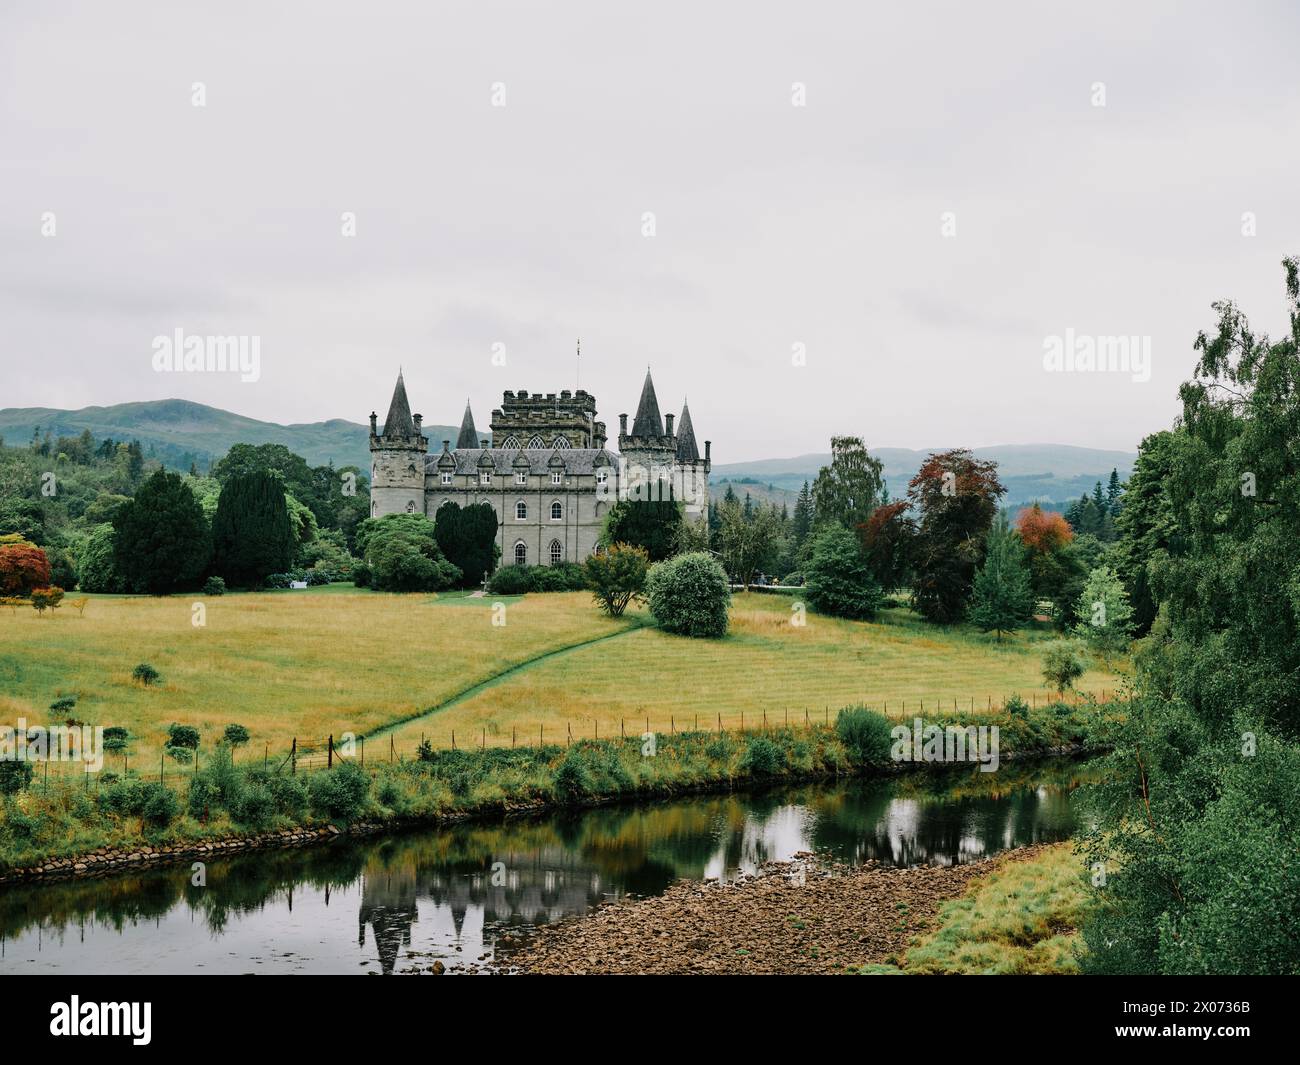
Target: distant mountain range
(1047,473)
(178,432)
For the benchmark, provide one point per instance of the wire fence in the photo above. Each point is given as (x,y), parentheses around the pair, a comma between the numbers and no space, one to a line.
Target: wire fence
(306,756)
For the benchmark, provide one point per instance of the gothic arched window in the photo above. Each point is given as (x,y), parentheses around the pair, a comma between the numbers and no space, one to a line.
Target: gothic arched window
(521,553)
(511,443)
(521,511)
(536,444)
(557,552)
(561,442)
(410,506)
(557,511)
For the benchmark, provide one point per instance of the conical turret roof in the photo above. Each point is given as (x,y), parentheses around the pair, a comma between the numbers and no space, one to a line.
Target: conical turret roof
(468,434)
(687,450)
(647,421)
(399,422)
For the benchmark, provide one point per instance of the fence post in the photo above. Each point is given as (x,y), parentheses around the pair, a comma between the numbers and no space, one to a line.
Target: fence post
(719,722)
(363,750)
(513,729)
(329,757)
(391,747)
(293,758)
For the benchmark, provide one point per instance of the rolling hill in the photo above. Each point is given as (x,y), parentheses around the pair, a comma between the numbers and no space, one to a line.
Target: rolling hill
(178,432)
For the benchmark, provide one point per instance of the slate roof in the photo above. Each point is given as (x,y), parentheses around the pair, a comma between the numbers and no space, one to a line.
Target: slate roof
(576,460)
(687,450)
(647,421)
(468,436)
(399,422)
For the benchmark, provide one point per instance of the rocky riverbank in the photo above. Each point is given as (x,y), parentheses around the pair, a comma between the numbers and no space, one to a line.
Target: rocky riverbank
(806,916)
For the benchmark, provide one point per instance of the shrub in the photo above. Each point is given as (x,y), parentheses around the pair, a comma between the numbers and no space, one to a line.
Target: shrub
(1016,706)
(64,704)
(572,777)
(146,674)
(341,793)
(158,804)
(865,735)
(14,776)
(214,586)
(762,757)
(839,581)
(689,595)
(510,580)
(23,567)
(361,575)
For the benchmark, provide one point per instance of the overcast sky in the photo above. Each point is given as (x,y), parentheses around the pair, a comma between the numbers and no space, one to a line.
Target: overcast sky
(775,225)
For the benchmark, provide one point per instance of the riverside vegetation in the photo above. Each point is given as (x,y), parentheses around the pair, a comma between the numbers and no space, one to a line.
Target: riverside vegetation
(226,798)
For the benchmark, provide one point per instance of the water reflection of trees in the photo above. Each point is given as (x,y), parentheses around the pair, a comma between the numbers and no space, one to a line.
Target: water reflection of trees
(567,863)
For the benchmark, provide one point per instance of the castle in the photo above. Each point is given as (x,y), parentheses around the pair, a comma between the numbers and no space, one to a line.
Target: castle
(545,470)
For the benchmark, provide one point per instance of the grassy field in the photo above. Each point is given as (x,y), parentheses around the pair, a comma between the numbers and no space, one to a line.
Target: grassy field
(335,660)
(1022,919)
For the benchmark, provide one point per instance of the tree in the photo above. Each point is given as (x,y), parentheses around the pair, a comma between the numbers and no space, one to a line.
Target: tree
(44,599)
(252,535)
(1105,615)
(689,595)
(749,545)
(648,523)
(23,567)
(1056,569)
(887,544)
(468,537)
(1062,665)
(1198,809)
(804,516)
(402,554)
(1002,598)
(161,542)
(95,569)
(839,581)
(954,497)
(1146,526)
(617,575)
(851,487)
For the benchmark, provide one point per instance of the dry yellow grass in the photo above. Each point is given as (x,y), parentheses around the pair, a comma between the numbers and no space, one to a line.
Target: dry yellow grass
(334,661)
(765,664)
(284,664)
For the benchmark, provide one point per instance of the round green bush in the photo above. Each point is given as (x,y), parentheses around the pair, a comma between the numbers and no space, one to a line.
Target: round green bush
(763,758)
(214,586)
(839,581)
(865,735)
(158,804)
(511,580)
(341,793)
(689,595)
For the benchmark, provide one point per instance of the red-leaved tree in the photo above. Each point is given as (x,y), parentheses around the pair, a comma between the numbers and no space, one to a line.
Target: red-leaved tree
(23,566)
(1043,531)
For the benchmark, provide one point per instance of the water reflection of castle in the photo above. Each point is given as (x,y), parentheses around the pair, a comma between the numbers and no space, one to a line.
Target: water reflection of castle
(536,887)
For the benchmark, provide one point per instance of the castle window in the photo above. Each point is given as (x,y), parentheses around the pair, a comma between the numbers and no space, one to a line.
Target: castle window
(521,511)
(521,554)
(446,477)
(484,476)
(536,444)
(557,552)
(410,506)
(557,477)
(562,442)
(511,443)
(557,511)
(602,476)
(521,477)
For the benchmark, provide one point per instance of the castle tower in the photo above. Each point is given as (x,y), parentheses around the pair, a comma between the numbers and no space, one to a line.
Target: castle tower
(397,459)
(691,472)
(649,450)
